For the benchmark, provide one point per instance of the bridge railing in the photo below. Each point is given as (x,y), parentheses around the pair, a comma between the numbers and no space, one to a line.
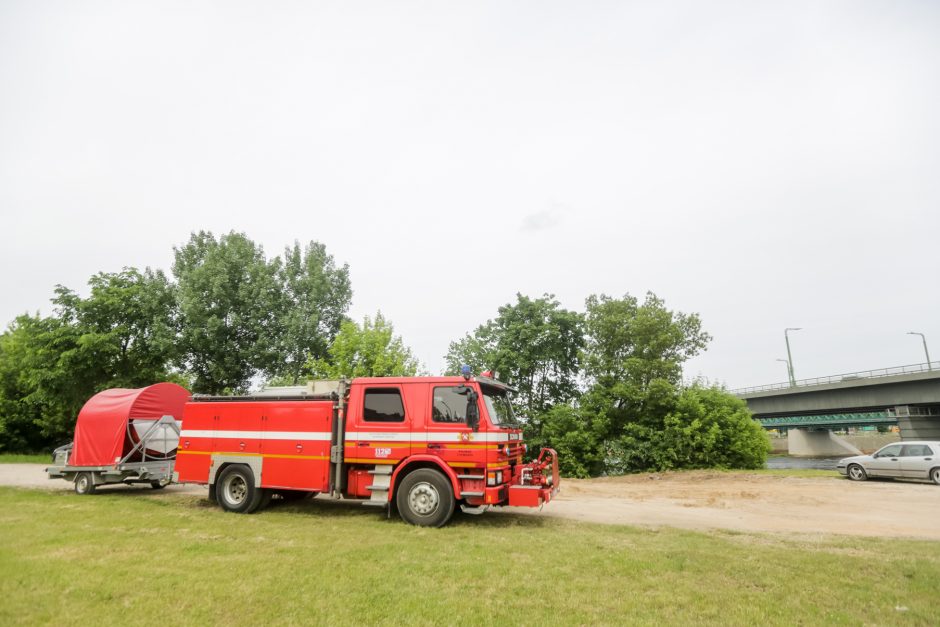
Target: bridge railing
(840,378)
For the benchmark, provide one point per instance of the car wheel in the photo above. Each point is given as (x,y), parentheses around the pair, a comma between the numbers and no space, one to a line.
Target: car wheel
(236,491)
(935,475)
(856,473)
(425,498)
(84,483)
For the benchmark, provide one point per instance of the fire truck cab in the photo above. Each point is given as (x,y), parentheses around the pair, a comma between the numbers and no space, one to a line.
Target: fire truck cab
(423,444)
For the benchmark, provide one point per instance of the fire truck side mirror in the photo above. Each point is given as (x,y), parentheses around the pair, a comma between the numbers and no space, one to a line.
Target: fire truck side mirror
(473,413)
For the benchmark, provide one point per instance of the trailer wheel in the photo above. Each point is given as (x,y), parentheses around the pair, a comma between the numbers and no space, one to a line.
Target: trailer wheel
(84,483)
(425,498)
(158,485)
(236,490)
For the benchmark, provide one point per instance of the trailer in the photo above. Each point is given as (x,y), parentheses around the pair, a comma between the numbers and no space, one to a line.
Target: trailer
(124,436)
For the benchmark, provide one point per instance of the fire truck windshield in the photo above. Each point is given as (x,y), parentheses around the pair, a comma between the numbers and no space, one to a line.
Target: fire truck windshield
(498,407)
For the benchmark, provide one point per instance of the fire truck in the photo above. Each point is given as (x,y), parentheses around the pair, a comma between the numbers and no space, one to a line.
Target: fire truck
(425,445)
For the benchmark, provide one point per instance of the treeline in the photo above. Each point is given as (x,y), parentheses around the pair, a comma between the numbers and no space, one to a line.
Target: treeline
(229,316)
(604,386)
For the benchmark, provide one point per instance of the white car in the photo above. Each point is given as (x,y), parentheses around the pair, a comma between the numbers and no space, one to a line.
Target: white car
(903,460)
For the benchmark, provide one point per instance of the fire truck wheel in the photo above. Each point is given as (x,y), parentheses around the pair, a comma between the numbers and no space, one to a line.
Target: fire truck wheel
(84,483)
(425,498)
(236,490)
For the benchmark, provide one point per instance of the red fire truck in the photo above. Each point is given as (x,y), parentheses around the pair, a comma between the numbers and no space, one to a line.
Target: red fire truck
(425,444)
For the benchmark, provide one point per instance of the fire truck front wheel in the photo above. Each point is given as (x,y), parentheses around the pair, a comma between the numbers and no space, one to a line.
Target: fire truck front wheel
(236,491)
(425,498)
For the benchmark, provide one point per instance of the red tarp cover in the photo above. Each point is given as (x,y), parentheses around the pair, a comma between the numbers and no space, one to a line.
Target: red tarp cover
(101,429)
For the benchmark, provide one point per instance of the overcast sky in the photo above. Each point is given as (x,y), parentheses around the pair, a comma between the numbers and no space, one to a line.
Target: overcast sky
(763,164)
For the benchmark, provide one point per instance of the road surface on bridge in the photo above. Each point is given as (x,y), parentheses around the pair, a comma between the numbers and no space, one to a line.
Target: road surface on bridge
(697,500)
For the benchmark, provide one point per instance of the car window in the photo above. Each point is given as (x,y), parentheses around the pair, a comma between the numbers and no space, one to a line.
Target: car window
(915,450)
(890,451)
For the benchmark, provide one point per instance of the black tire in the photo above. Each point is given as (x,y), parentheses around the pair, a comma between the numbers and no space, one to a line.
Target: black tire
(236,491)
(425,498)
(935,475)
(856,473)
(158,485)
(84,483)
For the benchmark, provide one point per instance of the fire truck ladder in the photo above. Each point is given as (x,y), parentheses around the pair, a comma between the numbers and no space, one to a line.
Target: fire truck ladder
(381,481)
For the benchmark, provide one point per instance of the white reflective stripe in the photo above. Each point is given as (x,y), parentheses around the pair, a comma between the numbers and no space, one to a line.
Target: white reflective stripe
(323,436)
(426,436)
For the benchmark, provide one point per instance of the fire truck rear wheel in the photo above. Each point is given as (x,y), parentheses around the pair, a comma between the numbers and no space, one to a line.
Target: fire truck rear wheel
(425,498)
(236,491)
(84,483)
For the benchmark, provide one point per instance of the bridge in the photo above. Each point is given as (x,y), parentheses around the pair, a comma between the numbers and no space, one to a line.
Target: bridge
(906,396)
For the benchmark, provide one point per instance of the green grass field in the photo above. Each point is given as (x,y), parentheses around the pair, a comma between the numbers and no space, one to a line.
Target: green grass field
(23,458)
(143,557)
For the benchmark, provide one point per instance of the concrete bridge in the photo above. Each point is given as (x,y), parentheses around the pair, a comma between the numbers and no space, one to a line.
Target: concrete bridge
(906,396)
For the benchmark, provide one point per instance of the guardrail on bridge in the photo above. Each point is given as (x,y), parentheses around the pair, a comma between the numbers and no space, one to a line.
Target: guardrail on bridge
(840,378)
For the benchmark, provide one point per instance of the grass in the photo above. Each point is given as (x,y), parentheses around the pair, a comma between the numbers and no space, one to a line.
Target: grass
(24,458)
(142,557)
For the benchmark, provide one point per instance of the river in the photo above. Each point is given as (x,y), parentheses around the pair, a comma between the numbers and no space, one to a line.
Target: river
(821,463)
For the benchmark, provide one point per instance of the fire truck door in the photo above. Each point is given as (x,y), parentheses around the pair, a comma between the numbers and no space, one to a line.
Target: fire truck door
(380,428)
(448,434)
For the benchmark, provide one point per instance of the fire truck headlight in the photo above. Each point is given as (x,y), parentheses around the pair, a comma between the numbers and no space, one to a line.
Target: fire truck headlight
(499,476)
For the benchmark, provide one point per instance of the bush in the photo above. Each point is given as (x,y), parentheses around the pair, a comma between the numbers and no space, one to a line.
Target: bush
(707,428)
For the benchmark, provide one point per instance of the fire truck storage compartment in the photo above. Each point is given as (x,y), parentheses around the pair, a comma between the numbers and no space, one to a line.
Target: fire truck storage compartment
(124,436)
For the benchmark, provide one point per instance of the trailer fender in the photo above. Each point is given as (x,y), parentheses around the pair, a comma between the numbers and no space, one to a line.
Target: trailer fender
(220,461)
(424,461)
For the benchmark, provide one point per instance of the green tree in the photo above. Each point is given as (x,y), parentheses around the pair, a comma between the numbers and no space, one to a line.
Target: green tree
(368,350)
(533,345)
(45,378)
(229,301)
(707,428)
(633,357)
(315,296)
(127,324)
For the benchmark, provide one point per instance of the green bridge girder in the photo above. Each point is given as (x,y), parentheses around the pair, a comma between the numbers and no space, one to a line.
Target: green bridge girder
(829,420)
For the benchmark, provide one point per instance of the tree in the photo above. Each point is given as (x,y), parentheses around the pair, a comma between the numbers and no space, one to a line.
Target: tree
(633,357)
(368,350)
(45,378)
(315,297)
(228,301)
(128,323)
(534,346)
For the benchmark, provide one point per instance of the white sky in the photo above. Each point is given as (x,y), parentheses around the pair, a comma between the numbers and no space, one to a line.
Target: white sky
(764,164)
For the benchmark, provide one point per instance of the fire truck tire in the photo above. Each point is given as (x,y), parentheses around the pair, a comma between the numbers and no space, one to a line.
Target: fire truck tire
(425,498)
(84,483)
(236,491)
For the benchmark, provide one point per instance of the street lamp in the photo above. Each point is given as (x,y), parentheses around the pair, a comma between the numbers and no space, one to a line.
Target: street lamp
(786,337)
(924,340)
(787,362)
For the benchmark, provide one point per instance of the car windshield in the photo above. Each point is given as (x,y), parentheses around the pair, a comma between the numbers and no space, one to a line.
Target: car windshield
(498,407)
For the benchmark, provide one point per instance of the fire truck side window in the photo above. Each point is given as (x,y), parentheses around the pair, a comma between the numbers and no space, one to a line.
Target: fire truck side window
(449,406)
(383,405)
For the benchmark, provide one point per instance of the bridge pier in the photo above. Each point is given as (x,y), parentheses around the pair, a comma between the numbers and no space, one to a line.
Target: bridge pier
(817,443)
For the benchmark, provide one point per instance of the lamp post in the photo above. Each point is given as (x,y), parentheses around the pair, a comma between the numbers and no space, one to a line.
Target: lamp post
(787,362)
(786,336)
(924,340)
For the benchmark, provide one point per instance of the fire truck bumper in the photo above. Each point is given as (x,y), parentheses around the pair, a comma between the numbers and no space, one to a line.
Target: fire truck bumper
(529,495)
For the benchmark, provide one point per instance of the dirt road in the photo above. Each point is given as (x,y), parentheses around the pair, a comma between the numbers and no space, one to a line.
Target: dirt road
(703,500)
